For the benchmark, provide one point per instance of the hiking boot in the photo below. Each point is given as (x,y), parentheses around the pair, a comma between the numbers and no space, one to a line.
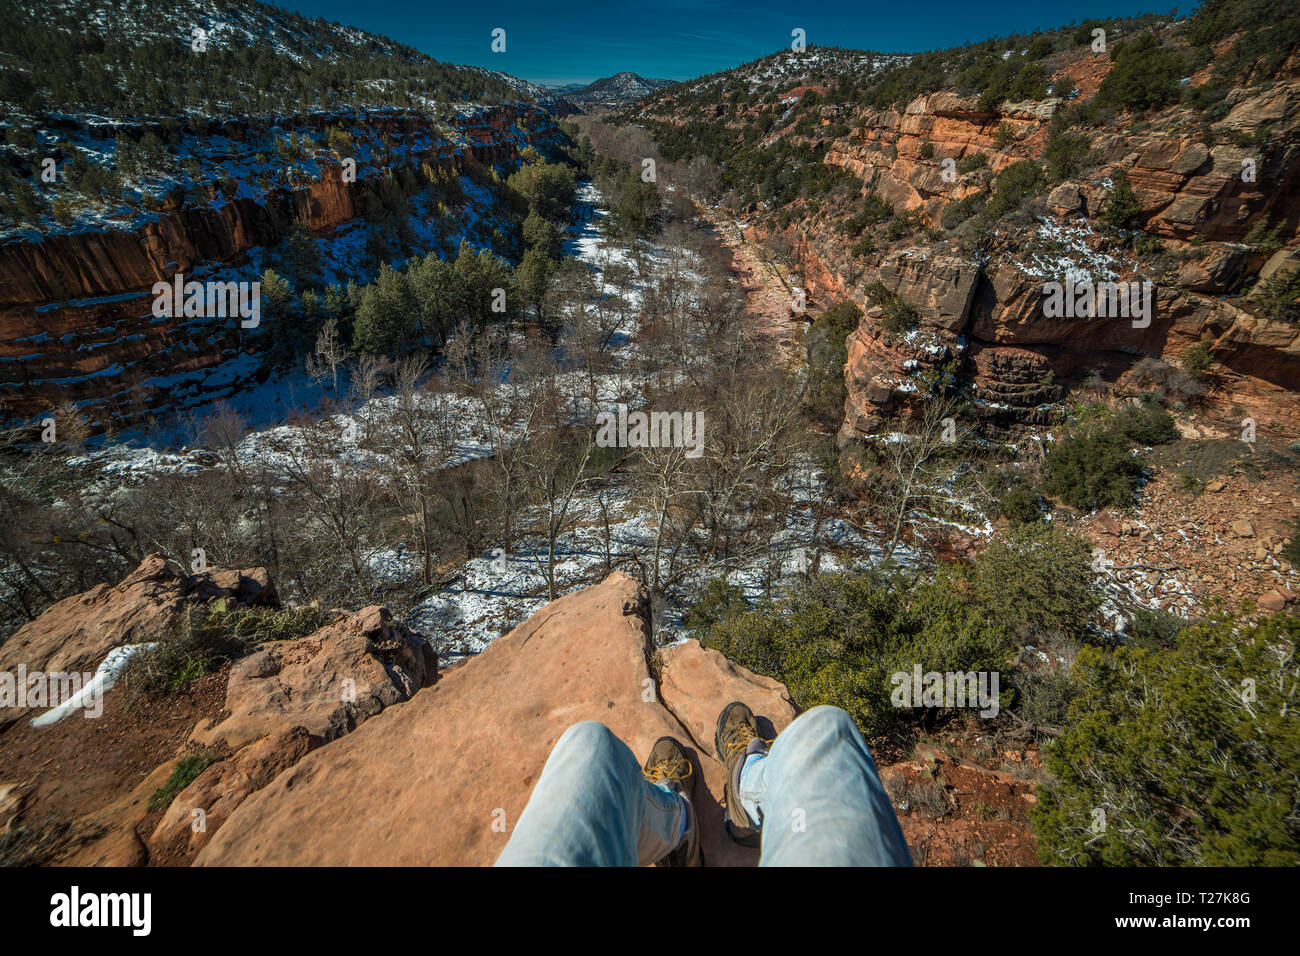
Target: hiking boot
(668,764)
(735,738)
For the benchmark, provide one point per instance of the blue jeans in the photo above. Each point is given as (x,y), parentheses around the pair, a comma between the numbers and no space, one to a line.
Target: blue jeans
(817,790)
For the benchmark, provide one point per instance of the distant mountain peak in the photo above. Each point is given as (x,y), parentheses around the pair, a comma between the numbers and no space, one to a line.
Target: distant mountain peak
(616,90)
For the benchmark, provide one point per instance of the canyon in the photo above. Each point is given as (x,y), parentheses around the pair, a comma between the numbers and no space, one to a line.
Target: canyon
(1206,188)
(76,312)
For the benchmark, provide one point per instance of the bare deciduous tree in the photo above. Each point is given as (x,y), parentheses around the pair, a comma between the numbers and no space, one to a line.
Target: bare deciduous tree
(911,462)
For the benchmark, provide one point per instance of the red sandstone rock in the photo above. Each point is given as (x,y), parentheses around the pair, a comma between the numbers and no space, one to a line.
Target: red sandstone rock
(327,682)
(1272,601)
(218,790)
(423,782)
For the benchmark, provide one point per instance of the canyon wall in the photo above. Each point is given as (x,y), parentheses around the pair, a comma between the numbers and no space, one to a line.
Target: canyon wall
(981,312)
(76,322)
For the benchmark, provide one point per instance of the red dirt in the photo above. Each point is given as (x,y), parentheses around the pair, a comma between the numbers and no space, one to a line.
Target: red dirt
(957,813)
(81,764)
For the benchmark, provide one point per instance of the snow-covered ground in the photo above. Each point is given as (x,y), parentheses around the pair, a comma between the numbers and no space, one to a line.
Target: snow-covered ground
(1063,251)
(499,589)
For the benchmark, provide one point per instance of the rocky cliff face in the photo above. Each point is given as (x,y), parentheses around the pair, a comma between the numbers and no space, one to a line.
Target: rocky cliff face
(473,745)
(987,325)
(982,313)
(75,307)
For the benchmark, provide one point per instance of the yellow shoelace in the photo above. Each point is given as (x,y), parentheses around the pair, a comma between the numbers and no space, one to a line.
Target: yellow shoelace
(744,734)
(668,768)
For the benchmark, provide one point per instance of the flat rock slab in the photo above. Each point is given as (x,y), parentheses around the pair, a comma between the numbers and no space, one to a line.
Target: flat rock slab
(423,782)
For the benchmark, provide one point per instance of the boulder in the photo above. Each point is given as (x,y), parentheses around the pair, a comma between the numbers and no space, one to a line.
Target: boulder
(1219,268)
(1107,523)
(76,634)
(1272,601)
(940,287)
(1065,199)
(328,682)
(423,783)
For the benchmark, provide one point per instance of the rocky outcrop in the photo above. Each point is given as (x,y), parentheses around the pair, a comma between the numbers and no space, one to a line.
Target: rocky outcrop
(426,773)
(941,286)
(1190,189)
(988,327)
(1201,192)
(271,707)
(77,633)
(1187,188)
(326,683)
(289,713)
(442,778)
(886,150)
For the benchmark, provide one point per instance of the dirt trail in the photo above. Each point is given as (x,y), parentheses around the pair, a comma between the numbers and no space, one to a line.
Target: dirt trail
(768,295)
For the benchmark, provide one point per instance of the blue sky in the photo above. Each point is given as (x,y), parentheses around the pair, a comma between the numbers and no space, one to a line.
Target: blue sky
(571,42)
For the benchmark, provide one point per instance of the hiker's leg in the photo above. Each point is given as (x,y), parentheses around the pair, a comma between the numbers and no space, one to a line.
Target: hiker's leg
(593,807)
(820,798)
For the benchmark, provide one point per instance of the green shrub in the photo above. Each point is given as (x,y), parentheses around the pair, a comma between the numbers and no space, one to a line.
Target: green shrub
(1039,47)
(1154,628)
(899,317)
(1145,75)
(1265,237)
(1146,424)
(1065,87)
(1038,582)
(971,162)
(838,638)
(186,772)
(1278,296)
(1043,695)
(1015,184)
(927,150)
(1263,38)
(958,212)
(874,210)
(340,140)
(1066,154)
(1196,361)
(716,601)
(207,635)
(1188,753)
(1093,469)
(19,201)
(1121,208)
(1020,505)
(1291,550)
